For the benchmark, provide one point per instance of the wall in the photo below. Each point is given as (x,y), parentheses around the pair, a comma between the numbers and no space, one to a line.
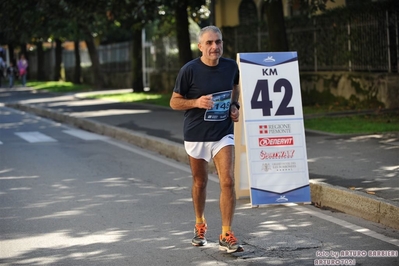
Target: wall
(226,11)
(354,86)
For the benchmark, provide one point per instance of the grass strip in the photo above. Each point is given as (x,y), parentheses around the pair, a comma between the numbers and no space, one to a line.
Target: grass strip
(58,86)
(355,124)
(137,97)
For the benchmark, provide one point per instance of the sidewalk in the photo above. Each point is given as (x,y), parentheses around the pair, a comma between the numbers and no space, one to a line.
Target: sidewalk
(355,174)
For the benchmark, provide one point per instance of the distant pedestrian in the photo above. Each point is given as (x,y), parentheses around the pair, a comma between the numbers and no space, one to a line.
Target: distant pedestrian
(2,67)
(22,68)
(12,73)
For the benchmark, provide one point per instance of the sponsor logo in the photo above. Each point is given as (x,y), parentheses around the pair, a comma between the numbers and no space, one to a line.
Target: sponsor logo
(264,155)
(269,59)
(275,129)
(279,167)
(282,199)
(266,167)
(263,129)
(277,141)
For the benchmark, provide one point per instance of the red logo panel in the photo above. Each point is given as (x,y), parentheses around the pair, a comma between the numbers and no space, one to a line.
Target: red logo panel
(276,141)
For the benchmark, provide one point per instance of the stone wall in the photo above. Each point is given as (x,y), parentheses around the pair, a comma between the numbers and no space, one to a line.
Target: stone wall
(355,86)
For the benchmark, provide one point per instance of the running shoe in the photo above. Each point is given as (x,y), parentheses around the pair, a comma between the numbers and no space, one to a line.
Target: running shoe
(199,235)
(229,243)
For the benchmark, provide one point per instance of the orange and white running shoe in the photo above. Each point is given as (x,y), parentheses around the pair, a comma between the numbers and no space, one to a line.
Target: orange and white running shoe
(199,235)
(229,243)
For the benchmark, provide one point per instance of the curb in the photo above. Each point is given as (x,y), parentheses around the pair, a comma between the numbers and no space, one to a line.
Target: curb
(354,203)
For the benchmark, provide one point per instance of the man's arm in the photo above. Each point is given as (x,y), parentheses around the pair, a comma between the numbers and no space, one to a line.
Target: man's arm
(178,102)
(235,95)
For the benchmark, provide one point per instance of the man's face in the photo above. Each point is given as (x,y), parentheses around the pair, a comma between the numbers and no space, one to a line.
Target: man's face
(211,45)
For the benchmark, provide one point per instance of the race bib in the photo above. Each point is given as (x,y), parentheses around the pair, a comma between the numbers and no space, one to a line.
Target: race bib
(221,107)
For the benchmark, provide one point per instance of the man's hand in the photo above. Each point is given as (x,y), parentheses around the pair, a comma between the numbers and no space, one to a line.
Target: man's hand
(234,113)
(205,102)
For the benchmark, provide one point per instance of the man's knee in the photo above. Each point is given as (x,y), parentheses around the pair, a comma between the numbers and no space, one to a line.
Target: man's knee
(227,182)
(200,183)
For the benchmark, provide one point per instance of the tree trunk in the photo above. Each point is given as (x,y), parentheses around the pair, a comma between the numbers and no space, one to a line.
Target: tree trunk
(95,62)
(276,26)
(183,33)
(11,53)
(137,69)
(40,62)
(78,69)
(58,59)
(24,51)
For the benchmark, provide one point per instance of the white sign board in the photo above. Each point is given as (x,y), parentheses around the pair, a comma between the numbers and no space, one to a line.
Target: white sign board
(273,128)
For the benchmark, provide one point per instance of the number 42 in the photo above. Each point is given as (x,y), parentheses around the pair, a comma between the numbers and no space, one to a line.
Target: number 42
(262,89)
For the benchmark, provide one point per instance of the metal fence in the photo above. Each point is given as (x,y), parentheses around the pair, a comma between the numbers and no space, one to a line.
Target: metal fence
(338,41)
(113,57)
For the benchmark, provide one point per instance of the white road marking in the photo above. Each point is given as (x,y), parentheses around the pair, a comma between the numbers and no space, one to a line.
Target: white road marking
(34,136)
(84,134)
(353,227)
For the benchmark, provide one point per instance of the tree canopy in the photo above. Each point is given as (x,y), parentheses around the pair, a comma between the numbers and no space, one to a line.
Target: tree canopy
(35,21)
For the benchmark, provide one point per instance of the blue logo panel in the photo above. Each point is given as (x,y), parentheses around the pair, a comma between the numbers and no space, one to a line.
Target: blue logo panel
(268,59)
(298,195)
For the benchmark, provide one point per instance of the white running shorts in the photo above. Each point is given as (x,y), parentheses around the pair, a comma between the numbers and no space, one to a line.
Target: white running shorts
(208,149)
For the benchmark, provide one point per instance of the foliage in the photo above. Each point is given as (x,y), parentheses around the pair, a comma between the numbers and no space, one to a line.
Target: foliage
(133,14)
(20,20)
(313,6)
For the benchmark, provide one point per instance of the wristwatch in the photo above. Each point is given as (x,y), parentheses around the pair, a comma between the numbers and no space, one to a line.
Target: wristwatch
(237,104)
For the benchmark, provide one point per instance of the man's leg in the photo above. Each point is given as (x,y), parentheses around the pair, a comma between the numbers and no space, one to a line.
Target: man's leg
(199,169)
(224,162)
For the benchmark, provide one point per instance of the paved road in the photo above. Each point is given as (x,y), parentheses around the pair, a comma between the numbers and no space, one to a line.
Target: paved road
(71,197)
(364,163)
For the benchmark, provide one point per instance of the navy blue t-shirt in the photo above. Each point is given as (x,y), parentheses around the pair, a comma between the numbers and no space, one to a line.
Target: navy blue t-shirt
(196,79)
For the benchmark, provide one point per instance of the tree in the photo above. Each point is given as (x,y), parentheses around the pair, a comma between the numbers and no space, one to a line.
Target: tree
(33,21)
(58,59)
(276,26)
(78,69)
(137,58)
(177,12)
(133,16)
(182,32)
(18,21)
(276,22)
(23,22)
(90,19)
